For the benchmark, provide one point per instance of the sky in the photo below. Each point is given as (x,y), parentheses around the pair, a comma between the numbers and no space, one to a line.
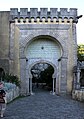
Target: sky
(5,5)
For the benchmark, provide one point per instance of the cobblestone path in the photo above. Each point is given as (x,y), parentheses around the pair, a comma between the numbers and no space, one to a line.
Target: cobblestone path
(43,105)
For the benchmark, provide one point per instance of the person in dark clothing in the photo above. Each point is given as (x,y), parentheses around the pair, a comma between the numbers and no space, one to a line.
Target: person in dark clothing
(2,100)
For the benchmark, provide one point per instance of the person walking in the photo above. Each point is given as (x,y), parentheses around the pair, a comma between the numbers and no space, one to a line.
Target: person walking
(3,100)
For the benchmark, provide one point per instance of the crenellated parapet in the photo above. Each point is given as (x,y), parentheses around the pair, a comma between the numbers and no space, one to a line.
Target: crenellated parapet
(25,16)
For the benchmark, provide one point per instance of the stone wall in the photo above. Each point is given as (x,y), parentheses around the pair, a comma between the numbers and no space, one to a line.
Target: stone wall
(4,40)
(4,35)
(72,54)
(78,94)
(16,53)
(12,94)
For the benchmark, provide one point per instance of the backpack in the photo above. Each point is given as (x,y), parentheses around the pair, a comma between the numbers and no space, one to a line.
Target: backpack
(2,95)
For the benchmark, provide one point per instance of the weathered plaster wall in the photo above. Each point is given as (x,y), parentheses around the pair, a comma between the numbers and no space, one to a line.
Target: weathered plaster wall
(4,40)
(72,55)
(14,50)
(16,53)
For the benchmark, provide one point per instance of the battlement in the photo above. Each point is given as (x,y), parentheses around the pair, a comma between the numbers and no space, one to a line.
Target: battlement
(43,14)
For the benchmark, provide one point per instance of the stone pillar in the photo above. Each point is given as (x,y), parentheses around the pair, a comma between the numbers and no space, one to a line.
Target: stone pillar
(57,85)
(27,80)
(23,76)
(78,79)
(59,75)
(63,78)
(31,86)
(30,80)
(53,86)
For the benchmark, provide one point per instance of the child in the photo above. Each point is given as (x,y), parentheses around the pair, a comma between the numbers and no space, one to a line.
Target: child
(2,100)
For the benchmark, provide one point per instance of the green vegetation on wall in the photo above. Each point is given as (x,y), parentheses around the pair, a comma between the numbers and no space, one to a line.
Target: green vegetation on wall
(12,79)
(80,52)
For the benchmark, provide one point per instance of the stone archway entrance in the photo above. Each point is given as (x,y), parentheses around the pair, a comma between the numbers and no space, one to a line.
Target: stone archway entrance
(43,77)
(43,49)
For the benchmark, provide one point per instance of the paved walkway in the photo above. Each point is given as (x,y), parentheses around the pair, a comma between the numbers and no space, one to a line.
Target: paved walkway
(43,105)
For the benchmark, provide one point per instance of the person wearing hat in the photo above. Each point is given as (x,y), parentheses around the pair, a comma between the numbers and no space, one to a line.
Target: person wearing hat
(2,100)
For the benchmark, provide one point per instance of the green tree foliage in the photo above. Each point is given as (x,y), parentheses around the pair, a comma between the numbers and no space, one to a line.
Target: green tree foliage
(46,75)
(43,74)
(80,52)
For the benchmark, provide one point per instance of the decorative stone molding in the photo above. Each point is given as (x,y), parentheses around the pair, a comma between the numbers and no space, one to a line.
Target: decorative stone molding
(26,20)
(44,15)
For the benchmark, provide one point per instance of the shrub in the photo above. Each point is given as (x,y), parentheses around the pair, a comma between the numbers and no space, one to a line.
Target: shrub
(12,78)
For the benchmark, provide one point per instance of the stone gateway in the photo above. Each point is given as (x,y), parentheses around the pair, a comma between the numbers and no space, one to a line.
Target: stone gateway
(31,37)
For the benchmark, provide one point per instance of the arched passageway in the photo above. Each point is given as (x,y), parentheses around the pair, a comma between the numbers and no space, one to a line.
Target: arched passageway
(40,52)
(42,77)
